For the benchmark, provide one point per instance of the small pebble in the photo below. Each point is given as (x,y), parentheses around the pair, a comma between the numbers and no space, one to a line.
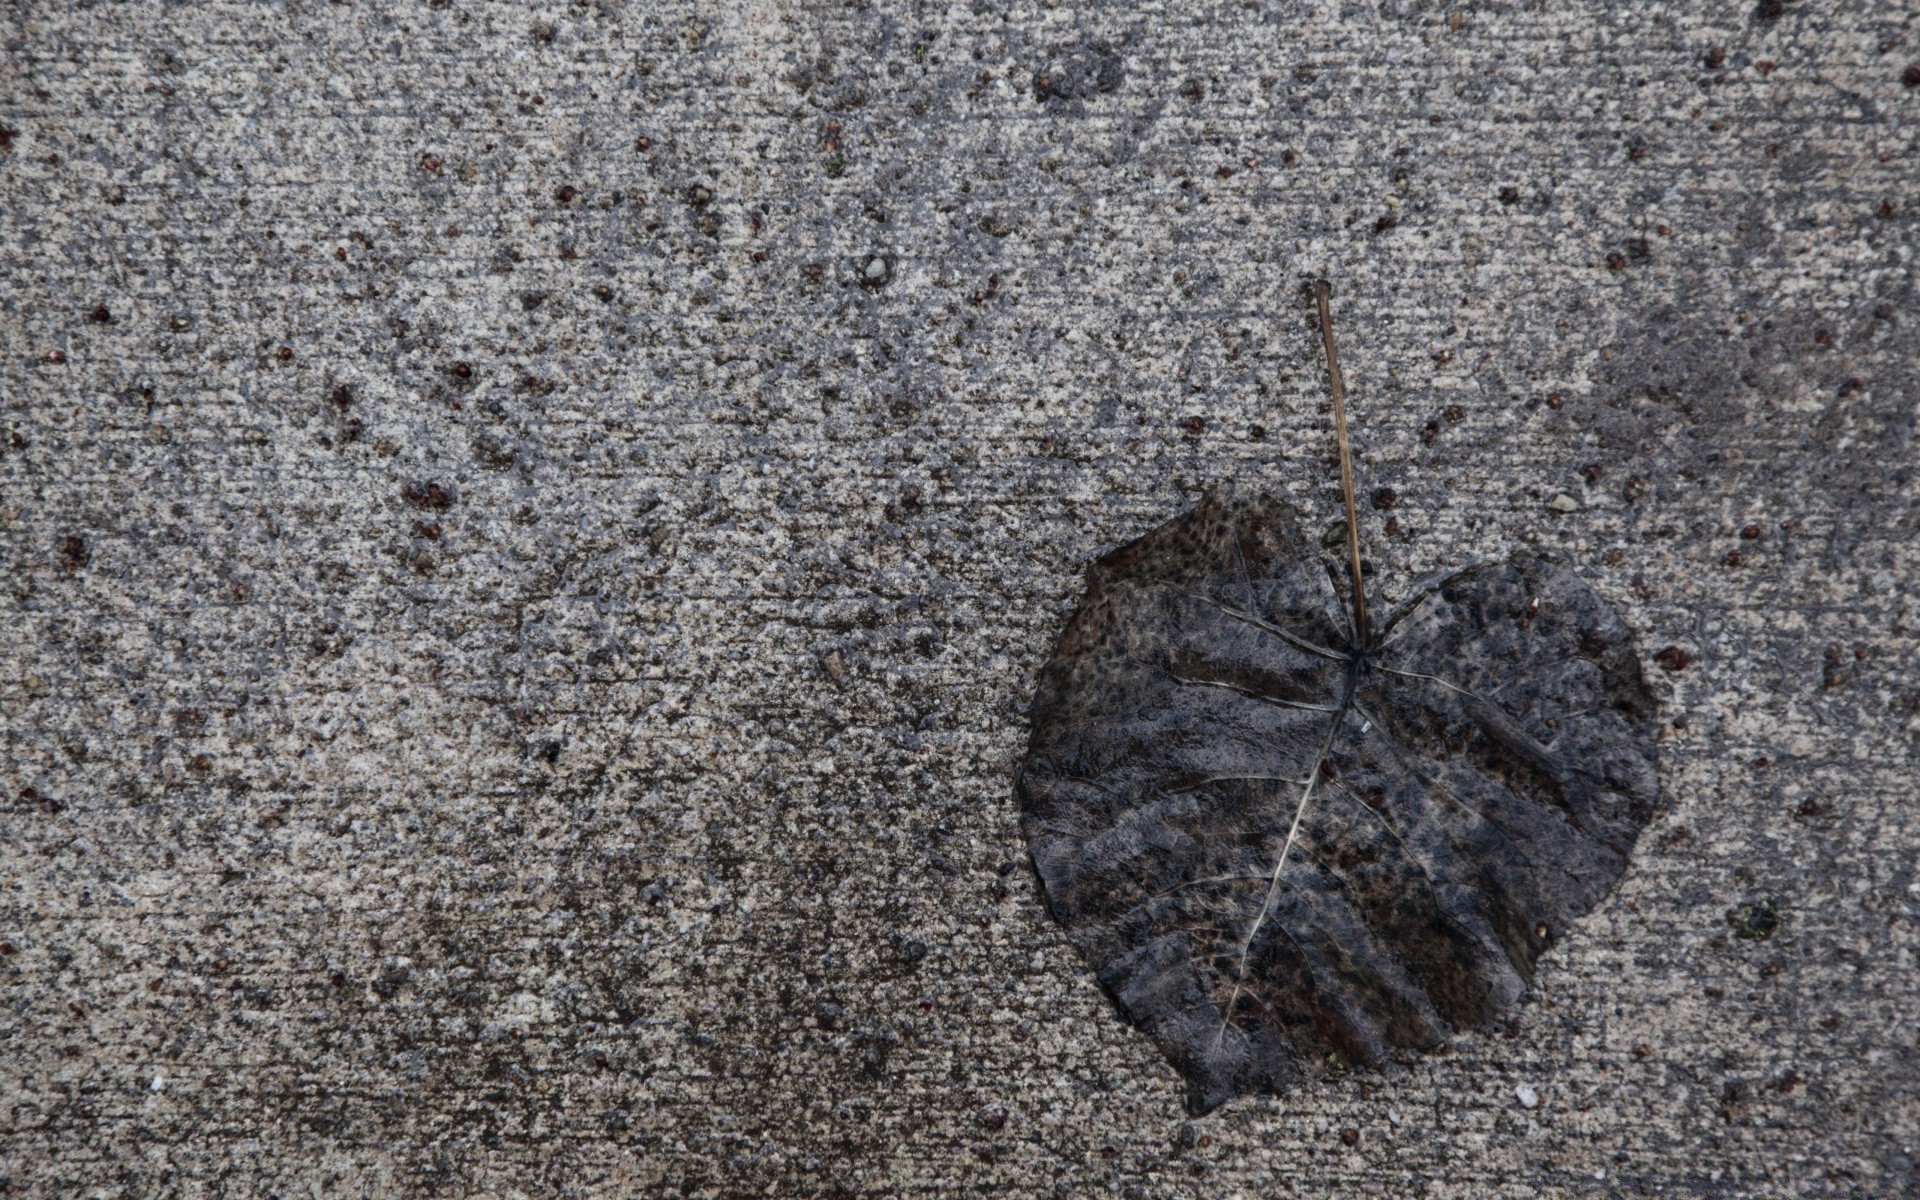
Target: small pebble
(876,269)
(1563,503)
(1528,1097)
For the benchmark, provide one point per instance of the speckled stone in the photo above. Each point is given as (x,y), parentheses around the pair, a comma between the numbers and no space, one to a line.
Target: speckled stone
(515,647)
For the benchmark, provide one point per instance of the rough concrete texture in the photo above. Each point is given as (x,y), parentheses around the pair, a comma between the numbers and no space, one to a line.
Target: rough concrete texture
(529,534)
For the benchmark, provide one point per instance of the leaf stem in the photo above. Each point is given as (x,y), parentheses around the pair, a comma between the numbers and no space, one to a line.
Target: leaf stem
(1322,291)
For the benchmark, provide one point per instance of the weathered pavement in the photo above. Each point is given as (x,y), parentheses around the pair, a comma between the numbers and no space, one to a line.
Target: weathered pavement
(528,537)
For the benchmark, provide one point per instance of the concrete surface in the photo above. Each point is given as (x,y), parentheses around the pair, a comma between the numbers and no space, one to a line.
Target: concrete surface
(574,759)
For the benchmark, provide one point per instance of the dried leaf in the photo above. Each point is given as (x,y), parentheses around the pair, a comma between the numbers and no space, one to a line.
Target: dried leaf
(1286,846)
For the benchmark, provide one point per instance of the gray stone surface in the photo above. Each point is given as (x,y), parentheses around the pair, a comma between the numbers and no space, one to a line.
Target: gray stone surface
(578,763)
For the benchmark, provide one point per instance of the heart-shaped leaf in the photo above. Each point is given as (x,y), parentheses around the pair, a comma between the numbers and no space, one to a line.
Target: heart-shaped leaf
(1287,844)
